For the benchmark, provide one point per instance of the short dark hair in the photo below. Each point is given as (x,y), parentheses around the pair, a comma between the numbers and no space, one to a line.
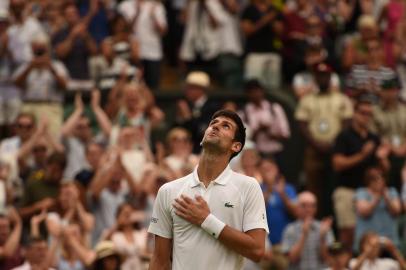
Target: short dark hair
(253,84)
(239,135)
(57,158)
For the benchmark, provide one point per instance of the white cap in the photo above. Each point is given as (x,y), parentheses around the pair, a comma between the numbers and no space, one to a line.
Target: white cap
(198,78)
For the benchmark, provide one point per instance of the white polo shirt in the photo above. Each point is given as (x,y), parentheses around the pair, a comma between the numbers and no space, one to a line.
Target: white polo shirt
(235,199)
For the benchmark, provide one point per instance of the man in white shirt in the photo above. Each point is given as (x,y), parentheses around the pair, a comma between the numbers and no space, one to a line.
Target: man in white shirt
(212,217)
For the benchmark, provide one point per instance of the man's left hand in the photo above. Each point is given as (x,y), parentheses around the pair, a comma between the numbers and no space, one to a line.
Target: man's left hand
(195,211)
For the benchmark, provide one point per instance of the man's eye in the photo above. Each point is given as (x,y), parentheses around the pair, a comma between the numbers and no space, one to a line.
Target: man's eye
(226,126)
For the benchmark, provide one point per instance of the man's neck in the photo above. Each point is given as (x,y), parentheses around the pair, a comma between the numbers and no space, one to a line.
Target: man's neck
(211,165)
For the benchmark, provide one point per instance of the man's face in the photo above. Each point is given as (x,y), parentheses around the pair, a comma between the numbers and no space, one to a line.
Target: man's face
(307,208)
(36,252)
(193,92)
(72,15)
(374,52)
(93,154)
(219,136)
(4,229)
(25,126)
(83,130)
(363,115)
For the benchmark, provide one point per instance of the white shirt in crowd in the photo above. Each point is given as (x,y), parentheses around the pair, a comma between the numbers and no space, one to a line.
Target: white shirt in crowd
(144,30)
(231,34)
(27,266)
(233,198)
(378,264)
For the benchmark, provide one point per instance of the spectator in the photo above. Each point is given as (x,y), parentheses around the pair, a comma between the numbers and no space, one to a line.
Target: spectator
(321,117)
(261,24)
(43,187)
(129,242)
(249,164)
(367,78)
(377,207)
(306,240)
(202,39)
(23,30)
(371,248)
(266,120)
(355,50)
(389,122)
(180,159)
(355,149)
(107,191)
(304,82)
(10,101)
(44,81)
(74,45)
(400,54)
(10,234)
(36,255)
(229,61)
(93,152)
(107,257)
(339,257)
(194,112)
(149,24)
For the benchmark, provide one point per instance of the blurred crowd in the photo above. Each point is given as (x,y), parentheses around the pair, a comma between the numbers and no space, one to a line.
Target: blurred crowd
(78,179)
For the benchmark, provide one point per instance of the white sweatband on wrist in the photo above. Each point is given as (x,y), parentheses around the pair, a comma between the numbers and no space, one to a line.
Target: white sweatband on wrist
(213,226)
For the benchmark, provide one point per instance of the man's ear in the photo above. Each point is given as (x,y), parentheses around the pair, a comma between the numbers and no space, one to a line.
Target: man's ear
(236,147)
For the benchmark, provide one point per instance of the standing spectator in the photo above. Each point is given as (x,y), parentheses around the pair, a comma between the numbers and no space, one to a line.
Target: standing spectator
(10,101)
(390,123)
(23,30)
(367,78)
(42,188)
(229,61)
(107,191)
(281,208)
(377,208)
(149,24)
(372,247)
(194,112)
(321,117)
(355,149)
(306,240)
(93,152)
(74,45)
(36,251)
(266,120)
(261,23)
(10,234)
(202,39)
(43,82)
(25,124)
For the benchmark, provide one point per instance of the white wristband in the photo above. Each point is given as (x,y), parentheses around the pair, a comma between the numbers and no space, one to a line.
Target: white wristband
(213,226)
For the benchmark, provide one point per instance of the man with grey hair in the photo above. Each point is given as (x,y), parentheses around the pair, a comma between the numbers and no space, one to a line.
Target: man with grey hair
(43,81)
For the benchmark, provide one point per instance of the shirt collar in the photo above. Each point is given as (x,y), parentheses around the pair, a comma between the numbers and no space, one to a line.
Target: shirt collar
(222,179)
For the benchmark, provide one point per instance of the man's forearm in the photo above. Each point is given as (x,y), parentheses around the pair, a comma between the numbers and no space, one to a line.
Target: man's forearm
(157,264)
(296,250)
(242,243)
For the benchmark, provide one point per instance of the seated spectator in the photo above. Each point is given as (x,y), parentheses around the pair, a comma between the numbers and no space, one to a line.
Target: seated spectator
(42,188)
(193,113)
(355,149)
(372,247)
(306,240)
(266,120)
(249,163)
(43,81)
(129,242)
(367,78)
(339,257)
(321,117)
(36,255)
(106,256)
(377,208)
(73,44)
(10,235)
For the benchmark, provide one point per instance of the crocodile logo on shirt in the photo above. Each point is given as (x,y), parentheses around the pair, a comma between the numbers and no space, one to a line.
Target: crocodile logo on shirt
(229,205)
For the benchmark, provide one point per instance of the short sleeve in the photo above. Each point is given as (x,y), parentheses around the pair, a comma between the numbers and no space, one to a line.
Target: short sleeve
(361,194)
(254,209)
(160,15)
(161,220)
(302,112)
(347,108)
(61,69)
